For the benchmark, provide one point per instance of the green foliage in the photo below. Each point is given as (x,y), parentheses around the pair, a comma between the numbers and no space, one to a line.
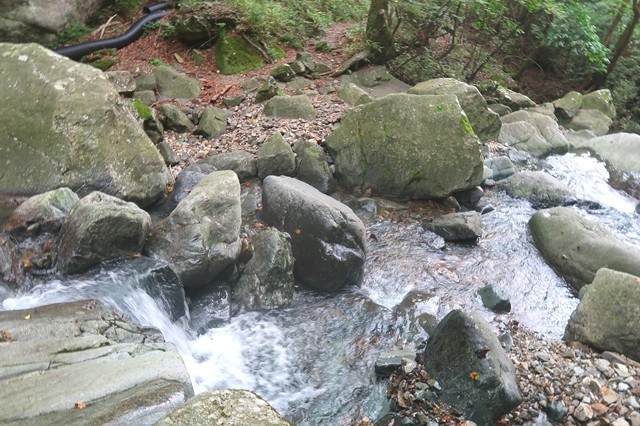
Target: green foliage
(71,34)
(235,55)
(154,62)
(144,111)
(127,8)
(624,83)
(166,29)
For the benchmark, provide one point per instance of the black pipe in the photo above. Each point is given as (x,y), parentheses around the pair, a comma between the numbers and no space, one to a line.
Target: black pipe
(77,51)
(157,6)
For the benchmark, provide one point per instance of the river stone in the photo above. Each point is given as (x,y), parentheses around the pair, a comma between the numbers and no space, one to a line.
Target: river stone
(500,109)
(577,247)
(600,100)
(213,122)
(85,352)
(532,132)
(463,344)
(465,226)
(388,362)
(244,164)
(578,137)
(486,123)
(608,316)
(327,238)
(590,119)
(298,106)
(313,167)
(417,146)
(154,129)
(173,84)
(71,140)
(224,408)
(502,167)
(283,72)
(540,188)
(100,227)
(513,100)
(275,157)
(123,81)
(146,82)
(174,119)
(494,299)
(267,90)
(200,237)
(546,108)
(147,97)
(354,95)
(41,213)
(567,106)
(621,154)
(267,280)
(40,21)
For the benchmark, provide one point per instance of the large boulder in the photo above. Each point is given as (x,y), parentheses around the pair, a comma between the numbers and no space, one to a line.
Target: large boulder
(477,376)
(327,238)
(532,132)
(41,213)
(40,21)
(600,100)
(486,123)
(200,238)
(275,157)
(514,100)
(213,122)
(313,167)
(567,106)
(225,408)
(55,135)
(540,188)
(73,362)
(577,247)
(267,279)
(608,316)
(417,146)
(100,227)
(590,119)
(621,154)
(173,84)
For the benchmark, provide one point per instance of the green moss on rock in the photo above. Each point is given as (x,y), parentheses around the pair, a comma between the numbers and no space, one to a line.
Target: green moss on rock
(235,55)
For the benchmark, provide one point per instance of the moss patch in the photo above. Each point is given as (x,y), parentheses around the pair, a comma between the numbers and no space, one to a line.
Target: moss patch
(143,111)
(466,125)
(235,55)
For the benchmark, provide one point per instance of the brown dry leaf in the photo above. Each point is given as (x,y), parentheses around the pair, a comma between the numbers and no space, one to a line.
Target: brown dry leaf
(474,375)
(178,58)
(401,401)
(80,405)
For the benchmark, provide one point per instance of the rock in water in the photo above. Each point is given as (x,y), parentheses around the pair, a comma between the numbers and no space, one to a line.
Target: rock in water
(476,375)
(64,124)
(540,188)
(608,316)
(466,226)
(417,146)
(327,238)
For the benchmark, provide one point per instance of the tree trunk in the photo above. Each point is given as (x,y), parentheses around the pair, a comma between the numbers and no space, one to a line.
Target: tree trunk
(380,32)
(614,24)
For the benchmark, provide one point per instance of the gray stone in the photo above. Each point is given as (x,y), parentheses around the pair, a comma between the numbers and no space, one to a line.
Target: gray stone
(275,157)
(500,109)
(146,82)
(244,164)
(41,213)
(85,352)
(200,21)
(354,95)
(40,21)
(298,106)
(417,146)
(167,153)
(153,128)
(540,188)
(578,137)
(174,119)
(494,299)
(513,100)
(267,280)
(463,344)
(185,182)
(313,167)
(213,122)
(71,140)
(283,73)
(502,167)
(590,119)
(173,84)
(299,83)
(388,362)
(100,227)
(234,101)
(224,408)
(200,238)
(486,123)
(577,247)
(122,80)
(147,97)
(600,100)
(567,106)
(608,316)
(466,226)
(556,411)
(546,108)
(298,67)
(327,238)
(532,132)
(621,154)
(267,90)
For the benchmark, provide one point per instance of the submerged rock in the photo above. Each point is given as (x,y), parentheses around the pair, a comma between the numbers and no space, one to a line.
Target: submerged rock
(327,238)
(466,226)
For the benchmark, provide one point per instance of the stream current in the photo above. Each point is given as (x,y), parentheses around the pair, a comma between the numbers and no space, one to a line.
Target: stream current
(313,361)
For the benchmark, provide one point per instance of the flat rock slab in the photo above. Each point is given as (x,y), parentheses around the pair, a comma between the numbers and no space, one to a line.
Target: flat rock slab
(83,352)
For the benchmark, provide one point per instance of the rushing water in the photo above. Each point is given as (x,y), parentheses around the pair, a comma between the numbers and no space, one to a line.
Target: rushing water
(314,360)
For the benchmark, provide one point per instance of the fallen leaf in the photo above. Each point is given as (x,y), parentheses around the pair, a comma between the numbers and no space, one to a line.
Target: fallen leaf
(178,58)
(474,375)
(401,401)
(80,405)
(28,316)
(298,231)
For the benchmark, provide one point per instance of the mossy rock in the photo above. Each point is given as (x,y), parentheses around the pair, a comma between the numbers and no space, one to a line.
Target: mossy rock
(235,55)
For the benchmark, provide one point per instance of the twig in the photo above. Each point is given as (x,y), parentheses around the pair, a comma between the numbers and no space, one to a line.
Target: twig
(264,54)
(216,97)
(102,28)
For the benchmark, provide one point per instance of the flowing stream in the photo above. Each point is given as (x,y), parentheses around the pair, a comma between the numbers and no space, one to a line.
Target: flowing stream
(314,360)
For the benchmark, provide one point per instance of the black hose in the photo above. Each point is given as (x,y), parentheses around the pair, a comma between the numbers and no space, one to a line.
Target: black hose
(77,51)
(157,6)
